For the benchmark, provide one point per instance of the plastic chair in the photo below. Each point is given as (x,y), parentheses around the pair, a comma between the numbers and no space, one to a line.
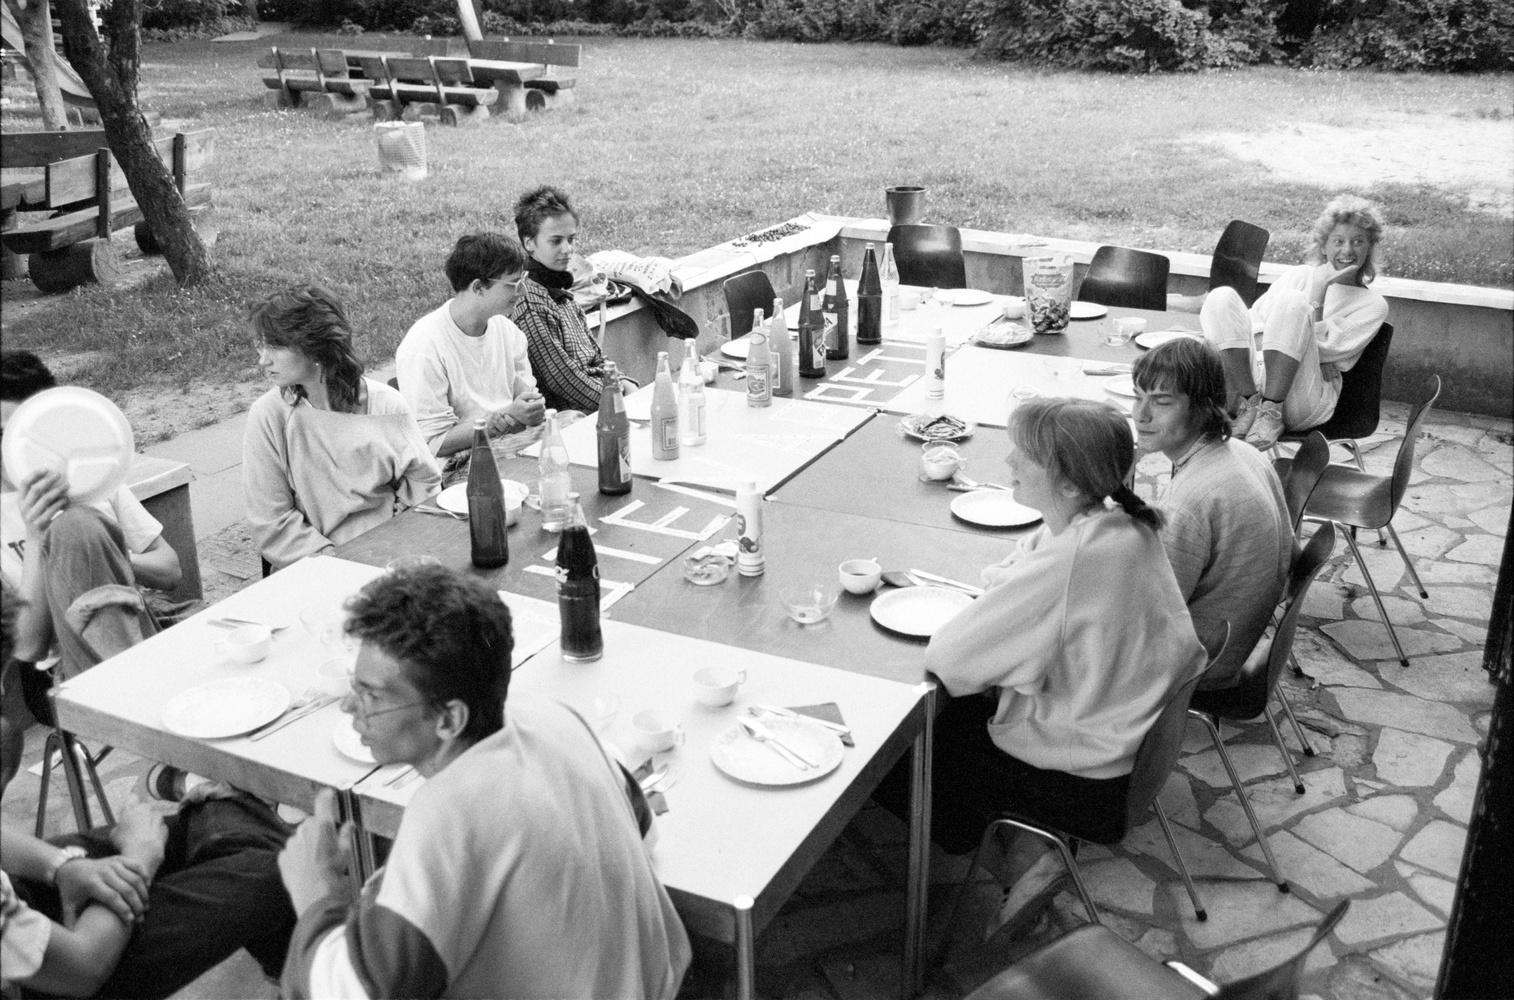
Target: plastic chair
(1248,699)
(1299,476)
(1125,278)
(1356,499)
(743,293)
(1237,259)
(929,256)
(1094,963)
(1359,408)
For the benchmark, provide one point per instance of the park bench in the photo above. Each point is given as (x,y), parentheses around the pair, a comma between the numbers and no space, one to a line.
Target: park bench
(410,86)
(317,79)
(551,87)
(84,198)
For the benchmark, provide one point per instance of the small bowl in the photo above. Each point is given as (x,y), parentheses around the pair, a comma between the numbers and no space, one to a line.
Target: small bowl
(706,567)
(860,576)
(1014,308)
(809,603)
(939,461)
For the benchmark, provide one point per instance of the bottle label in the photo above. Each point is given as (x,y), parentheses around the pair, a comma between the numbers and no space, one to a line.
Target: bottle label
(667,435)
(625,459)
(757,387)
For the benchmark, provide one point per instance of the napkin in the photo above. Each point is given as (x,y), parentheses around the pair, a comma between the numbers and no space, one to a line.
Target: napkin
(828,711)
(654,799)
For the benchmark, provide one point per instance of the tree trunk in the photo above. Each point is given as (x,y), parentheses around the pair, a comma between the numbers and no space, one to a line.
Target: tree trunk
(112,80)
(468,17)
(36,22)
(250,9)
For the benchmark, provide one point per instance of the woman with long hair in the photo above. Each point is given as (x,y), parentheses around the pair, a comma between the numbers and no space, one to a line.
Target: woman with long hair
(327,454)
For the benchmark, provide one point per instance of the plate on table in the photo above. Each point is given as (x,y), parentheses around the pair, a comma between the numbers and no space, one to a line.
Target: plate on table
(933,427)
(1120,385)
(737,348)
(77,432)
(455,497)
(1088,310)
(349,744)
(1003,335)
(1156,338)
(967,297)
(917,611)
(993,509)
(223,708)
(741,756)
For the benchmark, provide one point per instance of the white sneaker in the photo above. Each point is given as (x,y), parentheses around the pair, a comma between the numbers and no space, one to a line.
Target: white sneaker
(1268,425)
(1245,414)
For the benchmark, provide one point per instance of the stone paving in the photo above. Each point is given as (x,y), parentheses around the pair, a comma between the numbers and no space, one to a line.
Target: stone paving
(1382,821)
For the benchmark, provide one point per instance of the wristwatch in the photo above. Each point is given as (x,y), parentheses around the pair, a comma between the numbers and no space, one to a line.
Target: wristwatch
(63,857)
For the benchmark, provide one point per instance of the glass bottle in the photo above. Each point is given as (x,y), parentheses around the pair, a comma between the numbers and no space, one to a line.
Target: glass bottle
(486,504)
(869,300)
(664,413)
(691,405)
(811,332)
(553,482)
(759,364)
(578,588)
(888,277)
(838,338)
(612,431)
(782,346)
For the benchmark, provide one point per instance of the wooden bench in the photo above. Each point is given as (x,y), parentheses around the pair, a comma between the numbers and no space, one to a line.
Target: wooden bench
(85,198)
(553,87)
(316,79)
(408,87)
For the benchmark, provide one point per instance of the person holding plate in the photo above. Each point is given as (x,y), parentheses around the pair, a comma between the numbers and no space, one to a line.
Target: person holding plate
(327,453)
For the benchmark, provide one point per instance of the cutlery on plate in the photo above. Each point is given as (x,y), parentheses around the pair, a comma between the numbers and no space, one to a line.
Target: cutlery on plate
(946,581)
(960,482)
(788,713)
(293,714)
(239,622)
(400,777)
(763,734)
(651,781)
(1107,370)
(439,511)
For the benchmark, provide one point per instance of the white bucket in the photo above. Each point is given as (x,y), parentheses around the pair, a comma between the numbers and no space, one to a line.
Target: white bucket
(401,149)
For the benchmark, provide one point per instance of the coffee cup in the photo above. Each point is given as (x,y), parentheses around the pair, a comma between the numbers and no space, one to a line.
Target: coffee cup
(246,643)
(656,731)
(860,576)
(716,686)
(334,677)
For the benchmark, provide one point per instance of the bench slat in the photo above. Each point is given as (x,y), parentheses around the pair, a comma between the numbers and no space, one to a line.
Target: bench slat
(73,180)
(38,149)
(71,227)
(504,50)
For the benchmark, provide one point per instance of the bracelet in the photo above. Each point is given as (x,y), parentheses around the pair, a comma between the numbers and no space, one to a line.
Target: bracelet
(63,857)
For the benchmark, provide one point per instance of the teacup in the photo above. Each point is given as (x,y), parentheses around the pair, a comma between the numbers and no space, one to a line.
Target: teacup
(246,643)
(655,731)
(860,576)
(334,677)
(716,686)
(939,461)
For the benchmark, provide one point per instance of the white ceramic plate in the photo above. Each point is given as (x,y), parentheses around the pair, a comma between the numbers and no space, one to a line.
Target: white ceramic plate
(1003,335)
(76,431)
(1156,338)
(913,425)
(741,756)
(1087,310)
(967,297)
(737,348)
(1120,385)
(993,509)
(346,740)
(918,611)
(223,708)
(455,497)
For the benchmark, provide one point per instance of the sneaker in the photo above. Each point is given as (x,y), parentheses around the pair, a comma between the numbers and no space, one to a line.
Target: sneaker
(167,783)
(1245,414)
(1025,901)
(1268,425)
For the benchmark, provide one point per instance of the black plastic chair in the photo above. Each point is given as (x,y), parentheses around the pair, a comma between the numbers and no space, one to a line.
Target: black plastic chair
(929,256)
(1360,406)
(1126,278)
(1237,259)
(743,293)
(1301,474)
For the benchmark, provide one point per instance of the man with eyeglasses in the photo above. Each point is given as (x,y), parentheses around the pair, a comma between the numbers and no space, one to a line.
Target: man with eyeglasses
(465,359)
(519,869)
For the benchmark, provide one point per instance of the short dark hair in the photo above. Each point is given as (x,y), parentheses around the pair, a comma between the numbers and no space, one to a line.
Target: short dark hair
(311,320)
(450,633)
(536,207)
(483,257)
(23,375)
(1192,367)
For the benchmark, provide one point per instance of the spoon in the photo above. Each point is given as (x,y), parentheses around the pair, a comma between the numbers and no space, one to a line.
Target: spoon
(898,578)
(967,482)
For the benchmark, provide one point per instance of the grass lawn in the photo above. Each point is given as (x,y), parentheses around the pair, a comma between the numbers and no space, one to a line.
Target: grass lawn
(677,145)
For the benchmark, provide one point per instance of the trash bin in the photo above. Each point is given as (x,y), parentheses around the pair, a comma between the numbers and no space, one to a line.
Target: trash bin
(906,204)
(401,149)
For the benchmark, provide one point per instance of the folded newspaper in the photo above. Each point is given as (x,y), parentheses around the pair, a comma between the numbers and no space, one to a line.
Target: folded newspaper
(650,274)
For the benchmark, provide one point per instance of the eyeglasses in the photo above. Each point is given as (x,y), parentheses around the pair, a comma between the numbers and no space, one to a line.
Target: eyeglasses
(364,701)
(517,284)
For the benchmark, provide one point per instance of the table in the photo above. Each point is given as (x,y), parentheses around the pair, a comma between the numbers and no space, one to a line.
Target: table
(501,73)
(727,883)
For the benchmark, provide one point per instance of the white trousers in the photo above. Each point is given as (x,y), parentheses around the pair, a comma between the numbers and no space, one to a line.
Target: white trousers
(1287,328)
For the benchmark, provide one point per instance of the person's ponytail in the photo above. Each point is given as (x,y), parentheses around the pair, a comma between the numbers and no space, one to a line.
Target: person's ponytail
(1136,507)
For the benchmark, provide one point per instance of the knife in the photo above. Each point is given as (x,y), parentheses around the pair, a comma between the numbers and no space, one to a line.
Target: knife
(763,734)
(788,713)
(966,588)
(293,715)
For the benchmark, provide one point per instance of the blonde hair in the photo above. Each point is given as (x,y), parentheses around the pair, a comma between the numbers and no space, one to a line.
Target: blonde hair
(1085,444)
(1350,210)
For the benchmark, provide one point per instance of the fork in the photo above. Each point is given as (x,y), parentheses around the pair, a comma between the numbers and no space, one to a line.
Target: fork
(313,700)
(762,734)
(441,511)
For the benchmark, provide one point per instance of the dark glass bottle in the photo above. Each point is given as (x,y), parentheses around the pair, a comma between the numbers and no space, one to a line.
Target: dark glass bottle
(811,332)
(837,309)
(578,589)
(613,432)
(486,504)
(869,300)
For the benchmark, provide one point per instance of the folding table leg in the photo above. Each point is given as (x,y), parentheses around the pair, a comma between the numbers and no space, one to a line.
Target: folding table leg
(746,949)
(912,973)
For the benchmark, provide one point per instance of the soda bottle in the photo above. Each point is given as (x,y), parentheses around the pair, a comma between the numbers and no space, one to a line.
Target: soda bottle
(578,588)
(782,347)
(613,432)
(888,277)
(759,364)
(486,504)
(691,405)
(552,469)
(664,413)
(838,338)
(935,364)
(811,332)
(869,300)
(750,560)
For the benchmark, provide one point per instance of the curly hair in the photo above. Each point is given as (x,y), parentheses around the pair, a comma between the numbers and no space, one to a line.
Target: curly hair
(310,319)
(23,375)
(1192,367)
(1348,209)
(483,257)
(536,207)
(1085,444)
(450,634)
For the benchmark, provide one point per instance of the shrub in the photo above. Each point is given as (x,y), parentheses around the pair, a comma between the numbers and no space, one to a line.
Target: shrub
(1453,35)
(165,14)
(1133,35)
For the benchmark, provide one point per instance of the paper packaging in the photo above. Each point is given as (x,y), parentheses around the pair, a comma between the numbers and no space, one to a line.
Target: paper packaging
(935,364)
(749,558)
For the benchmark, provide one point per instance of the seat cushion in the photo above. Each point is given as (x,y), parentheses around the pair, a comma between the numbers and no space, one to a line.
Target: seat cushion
(1089,963)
